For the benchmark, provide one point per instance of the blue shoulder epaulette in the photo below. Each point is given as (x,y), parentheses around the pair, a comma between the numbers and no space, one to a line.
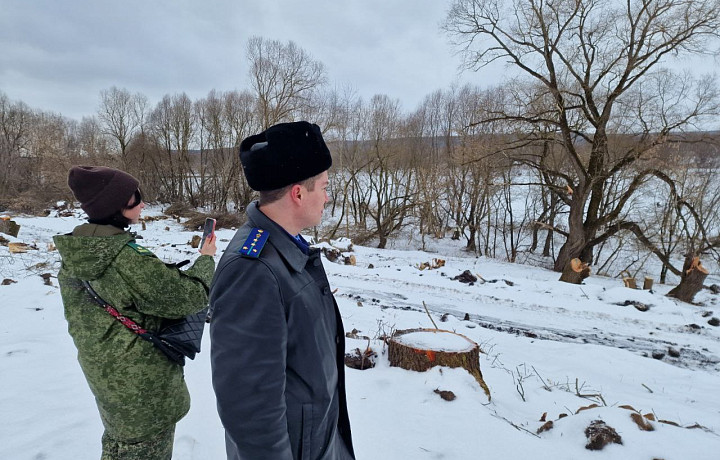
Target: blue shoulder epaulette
(140,250)
(254,243)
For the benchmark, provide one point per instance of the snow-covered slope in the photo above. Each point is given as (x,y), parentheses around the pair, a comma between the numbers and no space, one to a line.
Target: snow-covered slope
(549,348)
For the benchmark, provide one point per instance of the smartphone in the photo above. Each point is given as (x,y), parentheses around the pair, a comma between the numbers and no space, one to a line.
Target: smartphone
(208,229)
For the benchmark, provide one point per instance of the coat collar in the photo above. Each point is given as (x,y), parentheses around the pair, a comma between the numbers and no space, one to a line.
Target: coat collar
(279,238)
(97,230)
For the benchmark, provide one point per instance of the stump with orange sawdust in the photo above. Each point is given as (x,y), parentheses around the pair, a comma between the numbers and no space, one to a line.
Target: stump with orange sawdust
(691,280)
(421,349)
(575,271)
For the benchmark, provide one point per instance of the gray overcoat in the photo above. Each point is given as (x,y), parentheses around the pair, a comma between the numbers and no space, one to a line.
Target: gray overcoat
(277,350)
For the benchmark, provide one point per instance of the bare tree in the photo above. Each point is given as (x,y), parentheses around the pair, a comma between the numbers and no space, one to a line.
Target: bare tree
(345,131)
(52,149)
(243,121)
(92,144)
(390,180)
(211,139)
(122,115)
(587,58)
(473,168)
(509,221)
(14,131)
(224,119)
(433,128)
(284,77)
(173,125)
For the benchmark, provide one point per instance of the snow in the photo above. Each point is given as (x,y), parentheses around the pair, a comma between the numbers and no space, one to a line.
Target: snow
(436,341)
(547,348)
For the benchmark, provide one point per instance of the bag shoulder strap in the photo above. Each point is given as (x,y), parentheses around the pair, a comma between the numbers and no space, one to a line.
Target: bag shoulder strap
(124,320)
(166,348)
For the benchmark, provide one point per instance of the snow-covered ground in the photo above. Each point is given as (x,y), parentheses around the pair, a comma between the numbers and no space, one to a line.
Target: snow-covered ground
(549,348)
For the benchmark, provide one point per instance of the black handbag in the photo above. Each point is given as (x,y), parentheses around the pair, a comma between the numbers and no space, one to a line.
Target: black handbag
(176,338)
(184,334)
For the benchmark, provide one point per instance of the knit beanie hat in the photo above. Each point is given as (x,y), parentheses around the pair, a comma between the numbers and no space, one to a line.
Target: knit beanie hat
(101,191)
(284,154)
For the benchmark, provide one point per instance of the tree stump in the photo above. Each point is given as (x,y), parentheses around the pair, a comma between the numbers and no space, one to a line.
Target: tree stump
(331,254)
(575,272)
(9,227)
(421,349)
(648,283)
(691,281)
(630,283)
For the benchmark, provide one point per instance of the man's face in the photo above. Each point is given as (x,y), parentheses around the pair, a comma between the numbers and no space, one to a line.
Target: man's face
(314,200)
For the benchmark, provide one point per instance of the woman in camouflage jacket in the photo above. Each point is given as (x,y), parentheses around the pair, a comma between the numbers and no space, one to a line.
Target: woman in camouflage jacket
(140,393)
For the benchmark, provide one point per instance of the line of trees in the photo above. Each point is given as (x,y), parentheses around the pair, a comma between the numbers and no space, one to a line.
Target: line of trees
(560,161)
(591,72)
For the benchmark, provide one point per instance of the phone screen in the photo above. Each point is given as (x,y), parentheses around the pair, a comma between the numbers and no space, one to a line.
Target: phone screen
(208,229)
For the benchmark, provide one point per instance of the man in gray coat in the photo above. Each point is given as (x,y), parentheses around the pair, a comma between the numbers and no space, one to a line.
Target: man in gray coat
(277,337)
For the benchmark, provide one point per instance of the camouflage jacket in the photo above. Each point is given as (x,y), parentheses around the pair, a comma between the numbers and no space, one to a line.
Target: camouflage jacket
(139,392)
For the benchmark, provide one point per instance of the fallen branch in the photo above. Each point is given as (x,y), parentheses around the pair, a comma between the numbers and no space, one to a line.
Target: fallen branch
(545,385)
(588,396)
(519,428)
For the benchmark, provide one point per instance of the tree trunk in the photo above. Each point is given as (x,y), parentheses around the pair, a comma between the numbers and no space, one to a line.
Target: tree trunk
(691,281)
(578,235)
(547,248)
(421,349)
(571,249)
(383,240)
(663,273)
(548,243)
(534,241)
(575,271)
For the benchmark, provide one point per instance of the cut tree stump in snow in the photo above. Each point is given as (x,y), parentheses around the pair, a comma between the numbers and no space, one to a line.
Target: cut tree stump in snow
(331,254)
(648,283)
(361,360)
(9,227)
(421,349)
(691,281)
(630,283)
(628,280)
(575,271)
(600,435)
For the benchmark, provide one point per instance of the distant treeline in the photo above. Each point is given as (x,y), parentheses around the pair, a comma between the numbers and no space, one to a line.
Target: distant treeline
(553,165)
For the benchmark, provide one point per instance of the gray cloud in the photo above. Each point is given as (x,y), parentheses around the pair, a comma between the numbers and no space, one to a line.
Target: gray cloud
(58,55)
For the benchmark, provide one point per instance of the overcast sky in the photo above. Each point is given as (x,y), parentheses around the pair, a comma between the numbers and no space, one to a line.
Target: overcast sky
(57,55)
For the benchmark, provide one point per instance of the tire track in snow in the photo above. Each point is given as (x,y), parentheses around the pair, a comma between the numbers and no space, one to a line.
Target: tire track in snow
(387,295)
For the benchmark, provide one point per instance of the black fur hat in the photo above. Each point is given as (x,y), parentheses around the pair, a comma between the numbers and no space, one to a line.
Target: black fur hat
(284,154)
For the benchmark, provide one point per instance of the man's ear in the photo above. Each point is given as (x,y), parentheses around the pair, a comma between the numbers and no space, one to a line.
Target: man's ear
(296,193)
